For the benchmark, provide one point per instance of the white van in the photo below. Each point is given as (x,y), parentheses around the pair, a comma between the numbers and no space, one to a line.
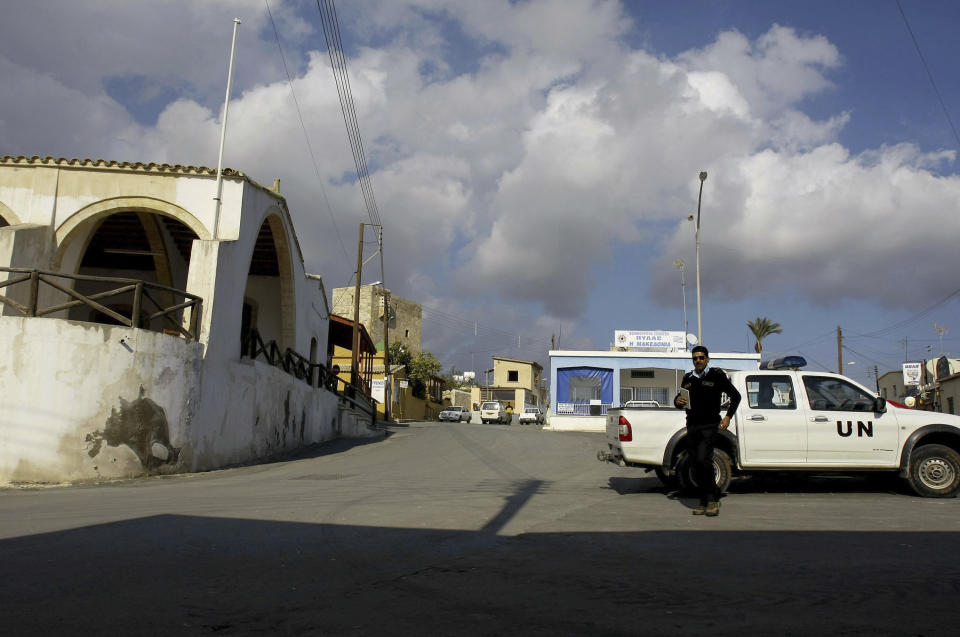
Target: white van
(494,411)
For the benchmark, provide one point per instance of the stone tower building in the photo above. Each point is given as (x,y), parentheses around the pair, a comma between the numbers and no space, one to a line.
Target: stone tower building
(406,317)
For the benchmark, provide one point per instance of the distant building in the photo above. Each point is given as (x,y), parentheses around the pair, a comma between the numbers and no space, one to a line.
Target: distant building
(515,381)
(892,387)
(938,390)
(406,317)
(584,384)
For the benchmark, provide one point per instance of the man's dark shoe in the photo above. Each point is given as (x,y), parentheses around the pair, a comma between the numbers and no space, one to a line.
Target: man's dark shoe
(713,509)
(700,510)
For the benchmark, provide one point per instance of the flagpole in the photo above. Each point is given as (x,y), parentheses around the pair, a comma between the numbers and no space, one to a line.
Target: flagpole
(223,132)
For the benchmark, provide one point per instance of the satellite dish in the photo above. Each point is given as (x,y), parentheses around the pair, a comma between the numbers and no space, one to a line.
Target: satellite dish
(692,339)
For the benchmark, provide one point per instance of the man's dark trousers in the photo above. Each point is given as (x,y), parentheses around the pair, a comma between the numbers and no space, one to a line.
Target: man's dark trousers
(701,441)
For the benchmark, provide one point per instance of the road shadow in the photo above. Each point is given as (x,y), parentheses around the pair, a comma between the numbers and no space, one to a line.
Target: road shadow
(787,482)
(645,484)
(189,575)
(783,482)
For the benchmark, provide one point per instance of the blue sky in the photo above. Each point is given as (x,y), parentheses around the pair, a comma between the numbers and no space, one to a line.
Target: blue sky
(534,162)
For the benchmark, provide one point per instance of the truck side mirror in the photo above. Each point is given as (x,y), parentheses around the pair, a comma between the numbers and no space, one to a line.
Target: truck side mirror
(879,405)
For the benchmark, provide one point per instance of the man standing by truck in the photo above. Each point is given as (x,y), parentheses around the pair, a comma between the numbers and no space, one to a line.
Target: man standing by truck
(700,394)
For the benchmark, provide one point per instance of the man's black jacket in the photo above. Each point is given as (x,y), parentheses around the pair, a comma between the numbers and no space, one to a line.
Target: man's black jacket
(705,396)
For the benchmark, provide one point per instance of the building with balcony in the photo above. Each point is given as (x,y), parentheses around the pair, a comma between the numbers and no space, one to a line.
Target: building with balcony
(147,329)
(516,382)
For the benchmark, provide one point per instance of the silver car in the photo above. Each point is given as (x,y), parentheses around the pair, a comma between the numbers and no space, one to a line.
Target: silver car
(455,413)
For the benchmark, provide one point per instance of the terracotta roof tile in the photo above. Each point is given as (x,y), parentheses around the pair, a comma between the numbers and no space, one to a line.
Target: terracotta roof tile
(139,166)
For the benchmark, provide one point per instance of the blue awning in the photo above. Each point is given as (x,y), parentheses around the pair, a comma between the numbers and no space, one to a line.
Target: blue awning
(586,383)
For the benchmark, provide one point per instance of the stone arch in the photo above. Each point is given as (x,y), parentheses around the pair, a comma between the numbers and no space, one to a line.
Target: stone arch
(67,231)
(270,281)
(7,216)
(133,238)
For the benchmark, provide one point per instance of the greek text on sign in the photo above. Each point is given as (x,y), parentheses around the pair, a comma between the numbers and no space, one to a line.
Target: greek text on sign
(651,340)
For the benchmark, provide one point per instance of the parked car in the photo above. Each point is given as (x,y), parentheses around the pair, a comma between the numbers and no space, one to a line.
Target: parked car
(455,413)
(494,411)
(532,415)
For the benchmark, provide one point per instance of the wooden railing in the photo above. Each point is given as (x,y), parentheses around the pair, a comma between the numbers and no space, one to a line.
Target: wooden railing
(140,313)
(314,374)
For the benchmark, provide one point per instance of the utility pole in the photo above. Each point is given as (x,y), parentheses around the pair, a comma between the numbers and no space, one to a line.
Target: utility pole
(683,290)
(355,344)
(839,350)
(388,381)
(703,177)
(876,377)
(387,386)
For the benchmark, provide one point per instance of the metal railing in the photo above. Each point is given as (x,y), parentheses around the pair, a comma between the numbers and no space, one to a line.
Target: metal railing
(139,313)
(314,374)
(580,409)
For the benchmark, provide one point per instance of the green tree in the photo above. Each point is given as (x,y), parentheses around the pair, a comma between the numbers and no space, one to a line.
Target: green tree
(399,355)
(421,369)
(762,328)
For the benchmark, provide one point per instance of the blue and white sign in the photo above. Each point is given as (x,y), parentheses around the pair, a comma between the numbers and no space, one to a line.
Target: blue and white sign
(912,373)
(651,340)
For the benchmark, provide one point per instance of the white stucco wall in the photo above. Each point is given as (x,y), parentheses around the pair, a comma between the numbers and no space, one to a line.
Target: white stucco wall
(65,381)
(254,410)
(62,381)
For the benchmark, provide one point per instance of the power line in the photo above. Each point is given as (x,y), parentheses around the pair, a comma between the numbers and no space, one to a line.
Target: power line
(338,64)
(306,137)
(916,317)
(933,83)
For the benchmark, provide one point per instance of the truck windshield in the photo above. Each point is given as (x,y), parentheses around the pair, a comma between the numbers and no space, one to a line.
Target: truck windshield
(490,406)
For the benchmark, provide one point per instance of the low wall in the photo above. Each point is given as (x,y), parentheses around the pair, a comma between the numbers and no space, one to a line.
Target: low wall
(411,408)
(253,410)
(87,401)
(84,401)
(576,423)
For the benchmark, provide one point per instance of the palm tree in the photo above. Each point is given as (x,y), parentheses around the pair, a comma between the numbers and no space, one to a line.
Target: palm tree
(762,328)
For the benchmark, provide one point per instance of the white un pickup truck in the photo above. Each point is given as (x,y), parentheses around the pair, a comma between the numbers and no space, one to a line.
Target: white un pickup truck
(798,420)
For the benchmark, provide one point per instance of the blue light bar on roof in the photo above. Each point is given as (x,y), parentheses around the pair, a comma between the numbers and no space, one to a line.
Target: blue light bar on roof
(786,362)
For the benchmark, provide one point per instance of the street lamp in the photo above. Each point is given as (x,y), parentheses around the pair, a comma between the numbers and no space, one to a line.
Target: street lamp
(703,178)
(683,288)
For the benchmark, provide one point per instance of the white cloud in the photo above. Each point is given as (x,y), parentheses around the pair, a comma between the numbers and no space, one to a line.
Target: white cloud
(513,175)
(826,226)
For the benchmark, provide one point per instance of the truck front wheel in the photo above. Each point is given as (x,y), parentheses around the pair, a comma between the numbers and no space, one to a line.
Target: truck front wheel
(722,471)
(934,471)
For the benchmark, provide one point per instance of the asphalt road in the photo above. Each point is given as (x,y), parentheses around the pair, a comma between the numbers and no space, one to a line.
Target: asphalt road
(468,529)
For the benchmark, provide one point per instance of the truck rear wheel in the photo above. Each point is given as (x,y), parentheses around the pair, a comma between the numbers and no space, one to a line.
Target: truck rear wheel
(667,476)
(722,471)
(934,471)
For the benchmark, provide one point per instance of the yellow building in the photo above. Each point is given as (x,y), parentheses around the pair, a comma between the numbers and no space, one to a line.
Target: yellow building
(516,382)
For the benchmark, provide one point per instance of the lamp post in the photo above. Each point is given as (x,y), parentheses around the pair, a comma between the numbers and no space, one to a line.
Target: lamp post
(703,178)
(683,288)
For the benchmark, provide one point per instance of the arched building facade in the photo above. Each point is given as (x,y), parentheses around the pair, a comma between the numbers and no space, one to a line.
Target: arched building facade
(153,311)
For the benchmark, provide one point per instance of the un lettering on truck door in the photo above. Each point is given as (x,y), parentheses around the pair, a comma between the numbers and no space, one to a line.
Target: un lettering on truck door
(842,427)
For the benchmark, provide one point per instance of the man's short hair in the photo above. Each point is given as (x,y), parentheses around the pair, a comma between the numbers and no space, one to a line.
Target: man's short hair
(700,348)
